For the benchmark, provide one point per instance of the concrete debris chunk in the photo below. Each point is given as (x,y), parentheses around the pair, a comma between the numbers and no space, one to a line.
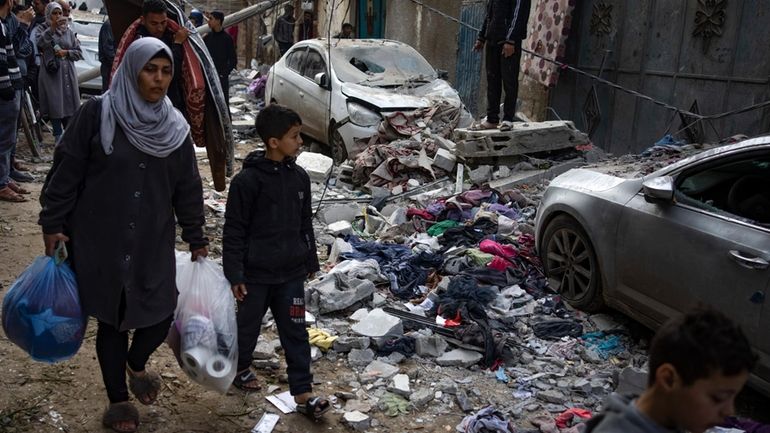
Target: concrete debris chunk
(445,160)
(356,420)
(530,137)
(459,357)
(345,344)
(340,228)
(359,315)
(379,324)
(552,396)
(400,385)
(421,397)
(360,357)
(336,292)
(463,401)
(338,247)
(316,165)
(431,346)
(379,369)
(481,175)
(340,212)
(631,380)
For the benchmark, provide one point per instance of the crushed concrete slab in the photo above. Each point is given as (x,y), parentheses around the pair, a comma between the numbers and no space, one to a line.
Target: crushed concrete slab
(379,324)
(357,420)
(359,315)
(459,357)
(529,137)
(340,212)
(481,175)
(334,292)
(534,176)
(316,165)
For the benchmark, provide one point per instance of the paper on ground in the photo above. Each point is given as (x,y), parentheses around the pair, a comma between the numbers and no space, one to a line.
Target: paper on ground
(266,424)
(283,401)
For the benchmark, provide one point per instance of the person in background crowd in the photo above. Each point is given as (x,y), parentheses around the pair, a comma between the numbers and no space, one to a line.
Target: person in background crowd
(222,51)
(504,27)
(58,79)
(307,26)
(35,30)
(106,53)
(10,98)
(283,31)
(17,25)
(116,199)
(346,33)
(196,17)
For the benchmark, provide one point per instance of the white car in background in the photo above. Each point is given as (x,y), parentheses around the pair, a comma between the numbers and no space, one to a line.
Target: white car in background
(342,91)
(87,32)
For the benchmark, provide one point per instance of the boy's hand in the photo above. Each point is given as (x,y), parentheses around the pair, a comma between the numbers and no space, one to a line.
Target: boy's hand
(239,291)
(200,252)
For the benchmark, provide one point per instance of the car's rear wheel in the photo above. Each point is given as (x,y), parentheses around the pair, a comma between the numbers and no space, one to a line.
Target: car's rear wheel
(337,145)
(570,263)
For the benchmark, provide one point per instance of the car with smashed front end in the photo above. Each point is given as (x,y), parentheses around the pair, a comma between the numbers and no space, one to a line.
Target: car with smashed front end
(342,89)
(691,234)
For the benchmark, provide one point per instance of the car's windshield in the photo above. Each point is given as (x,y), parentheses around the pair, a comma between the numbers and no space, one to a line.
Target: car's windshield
(381,65)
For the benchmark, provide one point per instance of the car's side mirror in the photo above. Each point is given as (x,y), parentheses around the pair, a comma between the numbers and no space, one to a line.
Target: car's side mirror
(659,189)
(322,80)
(442,74)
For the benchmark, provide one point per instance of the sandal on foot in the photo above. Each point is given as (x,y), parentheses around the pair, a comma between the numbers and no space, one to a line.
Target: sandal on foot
(118,415)
(7,194)
(314,408)
(506,125)
(145,387)
(246,380)
(18,189)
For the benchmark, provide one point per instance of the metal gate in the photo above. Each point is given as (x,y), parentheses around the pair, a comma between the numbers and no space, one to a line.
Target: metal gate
(468,69)
(705,56)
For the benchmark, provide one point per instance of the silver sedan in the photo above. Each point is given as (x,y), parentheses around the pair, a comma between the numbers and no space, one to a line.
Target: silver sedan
(694,233)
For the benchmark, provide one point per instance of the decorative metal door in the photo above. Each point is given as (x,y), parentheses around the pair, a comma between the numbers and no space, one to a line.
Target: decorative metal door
(468,70)
(705,56)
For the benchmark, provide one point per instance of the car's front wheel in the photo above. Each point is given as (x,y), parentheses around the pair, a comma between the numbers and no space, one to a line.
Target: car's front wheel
(570,263)
(337,145)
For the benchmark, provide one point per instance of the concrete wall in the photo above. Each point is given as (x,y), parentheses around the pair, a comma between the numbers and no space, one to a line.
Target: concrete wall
(430,34)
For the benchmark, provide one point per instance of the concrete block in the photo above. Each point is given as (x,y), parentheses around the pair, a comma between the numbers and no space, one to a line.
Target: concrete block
(433,346)
(340,212)
(481,175)
(335,292)
(360,357)
(340,228)
(316,165)
(400,385)
(359,315)
(552,396)
(445,160)
(459,357)
(345,344)
(526,137)
(380,369)
(379,324)
(421,397)
(339,246)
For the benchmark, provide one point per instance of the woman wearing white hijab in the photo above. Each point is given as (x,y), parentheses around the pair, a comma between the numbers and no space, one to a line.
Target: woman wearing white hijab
(58,79)
(124,172)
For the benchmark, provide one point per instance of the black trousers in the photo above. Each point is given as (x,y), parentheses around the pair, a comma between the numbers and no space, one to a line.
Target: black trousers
(502,74)
(113,353)
(287,302)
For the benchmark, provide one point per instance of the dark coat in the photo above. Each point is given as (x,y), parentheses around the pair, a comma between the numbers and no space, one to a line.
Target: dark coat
(120,212)
(506,20)
(175,90)
(222,51)
(268,235)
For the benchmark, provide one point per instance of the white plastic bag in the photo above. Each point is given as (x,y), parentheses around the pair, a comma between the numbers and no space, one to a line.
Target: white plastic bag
(204,336)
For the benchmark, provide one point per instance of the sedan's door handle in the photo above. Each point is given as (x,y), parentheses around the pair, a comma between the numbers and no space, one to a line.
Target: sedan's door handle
(280,82)
(748,262)
(301,95)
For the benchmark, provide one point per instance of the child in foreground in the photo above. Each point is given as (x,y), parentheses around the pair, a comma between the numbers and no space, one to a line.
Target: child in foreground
(269,251)
(698,364)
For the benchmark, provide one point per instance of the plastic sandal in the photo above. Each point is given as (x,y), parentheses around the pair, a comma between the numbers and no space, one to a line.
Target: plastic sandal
(120,413)
(245,381)
(145,387)
(314,408)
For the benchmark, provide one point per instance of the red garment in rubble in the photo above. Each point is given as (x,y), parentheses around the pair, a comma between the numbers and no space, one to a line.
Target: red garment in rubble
(500,250)
(422,213)
(565,418)
(194,83)
(499,264)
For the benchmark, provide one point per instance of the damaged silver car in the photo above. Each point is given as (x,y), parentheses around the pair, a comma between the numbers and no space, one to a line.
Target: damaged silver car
(694,233)
(344,90)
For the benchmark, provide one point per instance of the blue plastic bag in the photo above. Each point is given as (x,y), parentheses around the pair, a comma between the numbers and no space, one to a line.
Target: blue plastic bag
(41,311)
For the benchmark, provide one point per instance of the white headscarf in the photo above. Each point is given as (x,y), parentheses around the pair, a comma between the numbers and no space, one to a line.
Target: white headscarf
(155,128)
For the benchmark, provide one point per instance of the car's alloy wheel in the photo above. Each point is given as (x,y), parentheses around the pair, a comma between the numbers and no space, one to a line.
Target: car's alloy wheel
(570,263)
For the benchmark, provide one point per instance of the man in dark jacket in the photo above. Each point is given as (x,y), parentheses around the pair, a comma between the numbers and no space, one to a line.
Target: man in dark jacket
(283,31)
(18,25)
(106,53)
(222,51)
(505,26)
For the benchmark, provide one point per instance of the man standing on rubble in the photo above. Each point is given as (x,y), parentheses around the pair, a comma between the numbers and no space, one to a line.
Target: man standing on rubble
(283,31)
(505,26)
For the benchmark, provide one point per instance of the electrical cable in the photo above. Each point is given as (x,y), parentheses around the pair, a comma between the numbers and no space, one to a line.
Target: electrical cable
(634,93)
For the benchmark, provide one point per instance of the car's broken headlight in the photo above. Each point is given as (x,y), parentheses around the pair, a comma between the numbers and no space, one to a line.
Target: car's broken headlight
(362,116)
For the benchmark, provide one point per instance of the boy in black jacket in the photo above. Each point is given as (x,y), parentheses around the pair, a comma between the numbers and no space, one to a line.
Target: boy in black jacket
(269,250)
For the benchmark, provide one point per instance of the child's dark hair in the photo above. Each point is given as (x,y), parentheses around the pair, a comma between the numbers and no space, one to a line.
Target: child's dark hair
(274,121)
(153,6)
(700,343)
